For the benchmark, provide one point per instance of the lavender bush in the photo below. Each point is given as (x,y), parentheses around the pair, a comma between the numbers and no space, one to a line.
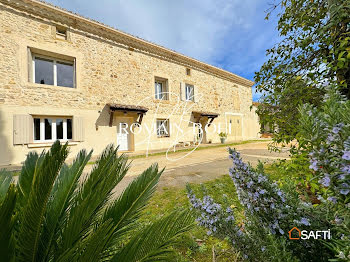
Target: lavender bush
(270,212)
(326,132)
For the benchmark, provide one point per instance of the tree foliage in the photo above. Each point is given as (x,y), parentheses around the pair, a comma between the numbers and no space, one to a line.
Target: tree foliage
(57,213)
(313,53)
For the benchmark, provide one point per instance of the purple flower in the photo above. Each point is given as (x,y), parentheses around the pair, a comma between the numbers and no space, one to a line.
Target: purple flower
(325,181)
(250,183)
(305,221)
(332,199)
(344,189)
(336,129)
(262,191)
(281,231)
(330,138)
(346,169)
(313,165)
(346,155)
(341,176)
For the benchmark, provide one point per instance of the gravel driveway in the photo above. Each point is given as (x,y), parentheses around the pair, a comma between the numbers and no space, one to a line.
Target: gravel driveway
(201,165)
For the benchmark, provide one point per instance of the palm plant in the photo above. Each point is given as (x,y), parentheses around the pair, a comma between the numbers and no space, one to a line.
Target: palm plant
(55,212)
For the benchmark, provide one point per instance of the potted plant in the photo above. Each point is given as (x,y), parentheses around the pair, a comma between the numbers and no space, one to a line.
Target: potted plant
(223,137)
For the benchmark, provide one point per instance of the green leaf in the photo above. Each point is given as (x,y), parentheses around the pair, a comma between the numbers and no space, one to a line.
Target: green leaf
(126,209)
(154,242)
(5,181)
(33,213)
(91,198)
(60,200)
(7,222)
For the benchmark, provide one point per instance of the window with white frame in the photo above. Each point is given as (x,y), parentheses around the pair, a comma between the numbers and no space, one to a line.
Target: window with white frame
(161,89)
(163,128)
(189,92)
(49,129)
(52,71)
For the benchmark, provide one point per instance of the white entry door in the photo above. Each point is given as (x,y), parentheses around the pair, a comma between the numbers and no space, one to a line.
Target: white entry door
(122,137)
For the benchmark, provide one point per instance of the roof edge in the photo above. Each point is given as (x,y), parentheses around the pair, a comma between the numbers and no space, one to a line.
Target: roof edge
(88,25)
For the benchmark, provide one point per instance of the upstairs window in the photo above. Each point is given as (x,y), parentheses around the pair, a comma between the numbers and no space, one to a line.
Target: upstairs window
(161,89)
(163,128)
(48,129)
(51,71)
(188,71)
(189,91)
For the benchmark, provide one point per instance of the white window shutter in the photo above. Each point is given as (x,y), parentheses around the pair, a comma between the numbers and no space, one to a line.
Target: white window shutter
(78,128)
(183,91)
(22,129)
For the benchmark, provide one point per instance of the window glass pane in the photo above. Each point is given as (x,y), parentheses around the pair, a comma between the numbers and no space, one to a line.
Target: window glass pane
(43,71)
(69,128)
(158,87)
(65,74)
(159,122)
(36,128)
(48,129)
(162,128)
(189,92)
(59,128)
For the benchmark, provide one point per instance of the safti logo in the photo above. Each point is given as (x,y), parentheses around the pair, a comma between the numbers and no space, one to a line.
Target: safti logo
(296,234)
(296,231)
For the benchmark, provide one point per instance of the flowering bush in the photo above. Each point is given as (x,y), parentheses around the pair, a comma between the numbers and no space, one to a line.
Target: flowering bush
(326,132)
(329,145)
(270,212)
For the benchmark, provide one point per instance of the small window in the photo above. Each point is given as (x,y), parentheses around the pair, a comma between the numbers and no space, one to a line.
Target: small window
(51,71)
(189,92)
(161,89)
(61,32)
(163,128)
(188,71)
(48,129)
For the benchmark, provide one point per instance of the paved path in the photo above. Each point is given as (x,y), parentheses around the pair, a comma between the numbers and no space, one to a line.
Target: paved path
(202,165)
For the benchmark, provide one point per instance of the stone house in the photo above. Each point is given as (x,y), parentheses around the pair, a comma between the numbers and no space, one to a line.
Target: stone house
(67,77)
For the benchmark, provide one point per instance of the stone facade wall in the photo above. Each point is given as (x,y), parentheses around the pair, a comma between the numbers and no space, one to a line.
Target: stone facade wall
(106,73)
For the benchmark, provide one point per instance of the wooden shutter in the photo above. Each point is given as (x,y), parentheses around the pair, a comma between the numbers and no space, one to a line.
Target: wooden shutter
(22,129)
(183,91)
(78,128)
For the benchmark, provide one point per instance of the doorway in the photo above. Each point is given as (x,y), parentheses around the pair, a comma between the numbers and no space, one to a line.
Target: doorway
(123,136)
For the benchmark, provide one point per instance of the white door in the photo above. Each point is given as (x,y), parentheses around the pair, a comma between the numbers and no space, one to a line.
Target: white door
(122,137)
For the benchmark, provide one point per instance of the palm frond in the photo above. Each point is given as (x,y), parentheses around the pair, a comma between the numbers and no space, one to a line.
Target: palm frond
(91,199)
(5,181)
(7,221)
(60,199)
(33,213)
(155,241)
(126,209)
(25,180)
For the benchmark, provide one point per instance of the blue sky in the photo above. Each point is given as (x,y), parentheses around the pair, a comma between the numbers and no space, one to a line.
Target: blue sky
(230,34)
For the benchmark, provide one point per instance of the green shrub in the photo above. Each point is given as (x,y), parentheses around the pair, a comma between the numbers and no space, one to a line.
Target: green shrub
(57,213)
